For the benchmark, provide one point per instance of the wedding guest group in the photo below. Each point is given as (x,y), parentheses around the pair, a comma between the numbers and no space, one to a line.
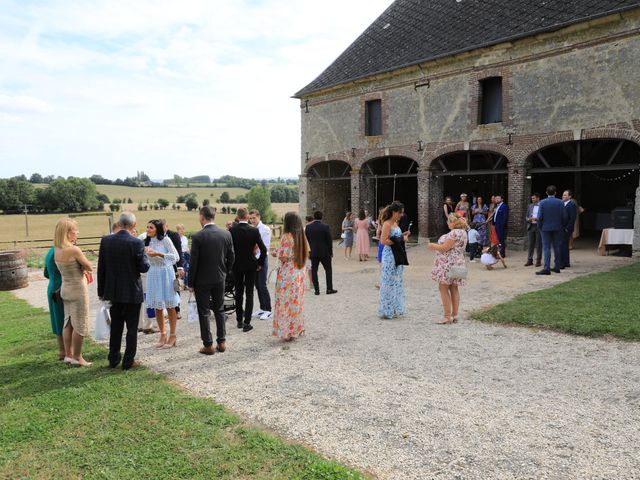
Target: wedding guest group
(122,259)
(246,240)
(319,237)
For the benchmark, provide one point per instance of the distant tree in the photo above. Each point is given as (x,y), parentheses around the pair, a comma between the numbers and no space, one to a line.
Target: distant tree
(22,178)
(114,207)
(16,192)
(116,200)
(279,194)
(240,199)
(129,200)
(191,202)
(234,210)
(163,203)
(205,202)
(70,195)
(180,199)
(48,179)
(103,198)
(140,206)
(100,180)
(225,197)
(260,199)
(224,210)
(35,178)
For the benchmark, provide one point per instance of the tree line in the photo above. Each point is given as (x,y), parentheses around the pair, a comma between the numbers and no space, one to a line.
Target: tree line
(60,195)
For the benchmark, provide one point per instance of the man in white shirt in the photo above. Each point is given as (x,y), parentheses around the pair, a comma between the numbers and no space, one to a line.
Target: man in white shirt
(264,312)
(533,232)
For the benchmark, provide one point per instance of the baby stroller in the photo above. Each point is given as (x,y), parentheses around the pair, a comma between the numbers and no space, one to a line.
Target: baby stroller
(229,303)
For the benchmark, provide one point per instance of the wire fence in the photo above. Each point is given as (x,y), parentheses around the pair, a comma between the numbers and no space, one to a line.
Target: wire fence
(85,244)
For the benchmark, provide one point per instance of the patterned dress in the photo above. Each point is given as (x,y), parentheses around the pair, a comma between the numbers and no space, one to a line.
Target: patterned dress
(288,321)
(160,293)
(392,298)
(445,260)
(480,219)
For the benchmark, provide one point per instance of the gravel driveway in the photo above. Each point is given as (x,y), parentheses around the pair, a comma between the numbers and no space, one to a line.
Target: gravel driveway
(409,399)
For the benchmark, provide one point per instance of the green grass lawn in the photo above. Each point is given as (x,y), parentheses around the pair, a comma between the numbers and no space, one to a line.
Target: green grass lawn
(68,423)
(596,305)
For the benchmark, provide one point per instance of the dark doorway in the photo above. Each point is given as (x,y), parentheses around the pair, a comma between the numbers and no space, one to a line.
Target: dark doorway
(603,174)
(392,178)
(329,190)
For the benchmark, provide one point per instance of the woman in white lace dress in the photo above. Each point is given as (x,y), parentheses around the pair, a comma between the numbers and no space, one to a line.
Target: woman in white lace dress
(160,293)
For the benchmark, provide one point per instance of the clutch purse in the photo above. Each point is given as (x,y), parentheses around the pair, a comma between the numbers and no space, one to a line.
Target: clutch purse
(458,272)
(55,296)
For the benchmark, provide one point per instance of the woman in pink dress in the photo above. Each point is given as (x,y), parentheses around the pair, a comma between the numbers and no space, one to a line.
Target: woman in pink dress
(362,236)
(288,323)
(449,252)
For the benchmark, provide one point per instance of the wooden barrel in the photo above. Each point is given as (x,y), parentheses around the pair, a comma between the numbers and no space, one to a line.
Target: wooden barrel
(13,270)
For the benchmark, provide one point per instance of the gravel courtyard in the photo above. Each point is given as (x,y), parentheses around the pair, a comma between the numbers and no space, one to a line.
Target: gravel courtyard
(409,399)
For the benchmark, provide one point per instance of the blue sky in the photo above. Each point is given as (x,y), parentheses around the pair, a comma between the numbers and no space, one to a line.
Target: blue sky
(191,87)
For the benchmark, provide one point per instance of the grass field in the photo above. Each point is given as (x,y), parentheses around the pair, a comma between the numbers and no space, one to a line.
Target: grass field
(12,227)
(151,195)
(596,305)
(72,423)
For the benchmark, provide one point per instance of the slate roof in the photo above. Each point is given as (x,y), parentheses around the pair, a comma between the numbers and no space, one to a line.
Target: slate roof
(414,31)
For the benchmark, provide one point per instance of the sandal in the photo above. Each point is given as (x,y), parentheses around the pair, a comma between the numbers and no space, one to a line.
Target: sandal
(162,341)
(444,321)
(169,343)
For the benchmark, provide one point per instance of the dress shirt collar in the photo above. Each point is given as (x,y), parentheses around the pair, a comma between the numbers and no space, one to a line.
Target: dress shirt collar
(244,221)
(566,203)
(207,224)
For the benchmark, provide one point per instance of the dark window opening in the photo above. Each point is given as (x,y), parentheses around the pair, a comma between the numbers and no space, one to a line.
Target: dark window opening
(373,118)
(491,100)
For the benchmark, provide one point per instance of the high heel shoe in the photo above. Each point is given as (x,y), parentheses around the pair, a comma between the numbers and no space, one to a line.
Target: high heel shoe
(454,319)
(162,341)
(445,321)
(170,344)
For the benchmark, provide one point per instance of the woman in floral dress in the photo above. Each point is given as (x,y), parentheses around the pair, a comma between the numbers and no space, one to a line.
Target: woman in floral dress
(288,323)
(392,298)
(449,252)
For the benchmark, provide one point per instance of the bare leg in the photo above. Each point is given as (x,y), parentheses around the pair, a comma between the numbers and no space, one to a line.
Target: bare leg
(455,300)
(77,341)
(173,320)
(62,352)
(67,333)
(160,321)
(445,296)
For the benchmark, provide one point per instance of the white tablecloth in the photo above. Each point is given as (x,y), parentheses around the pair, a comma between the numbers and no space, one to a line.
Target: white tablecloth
(613,236)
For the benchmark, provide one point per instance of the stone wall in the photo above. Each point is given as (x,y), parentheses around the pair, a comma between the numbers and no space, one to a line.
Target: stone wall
(576,83)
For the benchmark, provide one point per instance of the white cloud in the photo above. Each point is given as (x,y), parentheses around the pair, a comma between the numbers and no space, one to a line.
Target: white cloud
(185,87)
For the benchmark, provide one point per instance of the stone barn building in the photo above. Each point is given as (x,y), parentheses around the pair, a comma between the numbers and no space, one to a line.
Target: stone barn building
(441,97)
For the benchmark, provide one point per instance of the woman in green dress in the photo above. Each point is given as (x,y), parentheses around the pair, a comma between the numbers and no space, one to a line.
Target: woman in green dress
(56,308)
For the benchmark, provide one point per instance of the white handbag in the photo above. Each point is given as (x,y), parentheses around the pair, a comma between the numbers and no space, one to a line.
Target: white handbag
(458,272)
(103,322)
(192,312)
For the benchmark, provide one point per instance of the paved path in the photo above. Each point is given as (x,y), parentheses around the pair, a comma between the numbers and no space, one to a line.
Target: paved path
(408,399)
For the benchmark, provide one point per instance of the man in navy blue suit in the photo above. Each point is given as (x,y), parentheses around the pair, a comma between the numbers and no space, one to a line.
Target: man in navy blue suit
(551,221)
(120,263)
(500,220)
(571,213)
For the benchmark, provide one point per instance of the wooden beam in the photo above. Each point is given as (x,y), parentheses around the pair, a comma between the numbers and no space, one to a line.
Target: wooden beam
(498,162)
(578,154)
(615,153)
(463,173)
(543,160)
(413,162)
(468,161)
(586,168)
(346,171)
(444,169)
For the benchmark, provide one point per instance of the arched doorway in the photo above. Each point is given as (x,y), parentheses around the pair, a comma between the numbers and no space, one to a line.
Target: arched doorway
(603,174)
(391,178)
(476,173)
(329,190)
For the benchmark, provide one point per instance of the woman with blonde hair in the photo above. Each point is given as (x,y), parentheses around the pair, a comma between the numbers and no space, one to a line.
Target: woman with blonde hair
(288,322)
(75,271)
(450,257)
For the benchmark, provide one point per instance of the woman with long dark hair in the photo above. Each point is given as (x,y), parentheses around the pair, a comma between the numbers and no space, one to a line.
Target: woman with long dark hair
(392,298)
(160,293)
(479,213)
(288,322)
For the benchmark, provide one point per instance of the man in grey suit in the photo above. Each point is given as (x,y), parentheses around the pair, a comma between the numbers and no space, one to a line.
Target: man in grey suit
(212,257)
(533,232)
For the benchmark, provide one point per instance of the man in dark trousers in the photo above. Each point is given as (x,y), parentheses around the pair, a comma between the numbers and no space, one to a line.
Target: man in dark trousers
(571,212)
(551,219)
(500,221)
(533,232)
(321,244)
(245,239)
(212,258)
(120,263)
(179,265)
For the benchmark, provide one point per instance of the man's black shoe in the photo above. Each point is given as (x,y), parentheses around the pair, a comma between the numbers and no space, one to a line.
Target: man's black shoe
(543,272)
(329,292)
(240,325)
(317,292)
(567,266)
(556,270)
(247,328)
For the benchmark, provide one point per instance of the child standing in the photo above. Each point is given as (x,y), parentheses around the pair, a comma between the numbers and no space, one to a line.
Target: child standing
(473,236)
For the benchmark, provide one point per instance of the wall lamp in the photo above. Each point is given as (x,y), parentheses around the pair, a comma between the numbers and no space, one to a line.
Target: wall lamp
(307,156)
(353,151)
(420,146)
(510,140)
(306,106)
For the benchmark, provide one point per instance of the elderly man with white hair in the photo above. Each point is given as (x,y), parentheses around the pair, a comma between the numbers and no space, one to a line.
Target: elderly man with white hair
(121,261)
